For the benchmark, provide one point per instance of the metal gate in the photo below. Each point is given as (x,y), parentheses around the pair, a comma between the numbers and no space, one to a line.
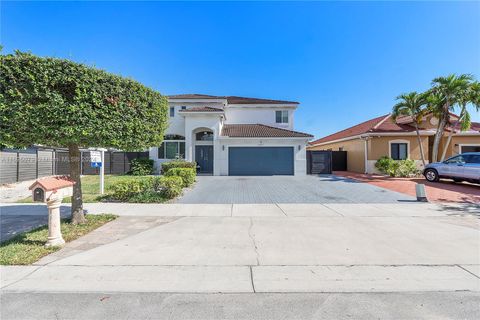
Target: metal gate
(339,160)
(326,161)
(319,162)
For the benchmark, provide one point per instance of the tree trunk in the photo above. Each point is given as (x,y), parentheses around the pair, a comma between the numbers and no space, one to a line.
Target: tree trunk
(422,155)
(449,139)
(74,154)
(439,134)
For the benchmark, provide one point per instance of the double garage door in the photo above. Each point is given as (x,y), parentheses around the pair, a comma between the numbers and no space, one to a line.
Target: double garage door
(260,161)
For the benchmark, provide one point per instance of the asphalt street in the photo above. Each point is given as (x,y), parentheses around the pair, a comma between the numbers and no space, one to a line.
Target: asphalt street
(118,306)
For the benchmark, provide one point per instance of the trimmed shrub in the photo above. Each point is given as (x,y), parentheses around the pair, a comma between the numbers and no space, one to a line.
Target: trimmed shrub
(406,168)
(141,167)
(124,190)
(171,187)
(386,165)
(178,164)
(187,175)
(147,189)
(397,168)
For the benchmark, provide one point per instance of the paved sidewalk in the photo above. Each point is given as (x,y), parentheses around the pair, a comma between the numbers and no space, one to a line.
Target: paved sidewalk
(408,209)
(17,218)
(442,191)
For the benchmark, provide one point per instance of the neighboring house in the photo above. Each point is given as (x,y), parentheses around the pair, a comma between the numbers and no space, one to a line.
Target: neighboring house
(366,142)
(229,135)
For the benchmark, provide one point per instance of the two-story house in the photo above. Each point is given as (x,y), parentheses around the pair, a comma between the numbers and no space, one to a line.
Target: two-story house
(229,135)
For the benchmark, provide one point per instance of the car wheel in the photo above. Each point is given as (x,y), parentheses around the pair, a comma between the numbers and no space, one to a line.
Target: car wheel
(431,175)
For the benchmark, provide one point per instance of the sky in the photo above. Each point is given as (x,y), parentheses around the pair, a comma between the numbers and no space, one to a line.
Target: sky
(345,62)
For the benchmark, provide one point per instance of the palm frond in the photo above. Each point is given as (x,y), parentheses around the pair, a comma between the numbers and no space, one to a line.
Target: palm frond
(466,122)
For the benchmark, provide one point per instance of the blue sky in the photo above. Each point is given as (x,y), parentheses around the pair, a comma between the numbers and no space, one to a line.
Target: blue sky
(343,61)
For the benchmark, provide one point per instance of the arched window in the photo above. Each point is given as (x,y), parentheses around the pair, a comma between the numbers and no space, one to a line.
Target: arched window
(204,136)
(172,147)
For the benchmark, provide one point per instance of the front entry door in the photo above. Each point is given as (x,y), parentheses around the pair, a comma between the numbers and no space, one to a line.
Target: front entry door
(204,158)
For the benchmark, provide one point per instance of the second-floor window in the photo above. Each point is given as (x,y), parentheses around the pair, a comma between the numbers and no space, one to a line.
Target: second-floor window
(172,112)
(281,116)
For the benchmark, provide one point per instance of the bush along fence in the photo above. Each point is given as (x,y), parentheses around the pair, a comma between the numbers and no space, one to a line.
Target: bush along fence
(26,164)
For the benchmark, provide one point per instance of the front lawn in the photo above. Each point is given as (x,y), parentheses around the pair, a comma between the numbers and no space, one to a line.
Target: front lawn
(28,247)
(91,187)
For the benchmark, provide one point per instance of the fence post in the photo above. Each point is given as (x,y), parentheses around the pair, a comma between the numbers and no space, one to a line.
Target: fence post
(53,162)
(18,167)
(36,165)
(81,162)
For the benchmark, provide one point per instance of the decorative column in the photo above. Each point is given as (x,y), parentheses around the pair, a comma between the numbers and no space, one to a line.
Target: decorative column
(54,232)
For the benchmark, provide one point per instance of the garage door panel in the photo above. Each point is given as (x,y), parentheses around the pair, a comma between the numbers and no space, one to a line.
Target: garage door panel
(260,161)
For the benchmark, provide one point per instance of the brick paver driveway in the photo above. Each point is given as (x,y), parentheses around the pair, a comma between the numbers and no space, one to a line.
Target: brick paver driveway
(442,191)
(287,189)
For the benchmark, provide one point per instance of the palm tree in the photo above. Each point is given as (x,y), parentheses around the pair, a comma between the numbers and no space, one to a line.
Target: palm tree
(447,92)
(412,105)
(470,96)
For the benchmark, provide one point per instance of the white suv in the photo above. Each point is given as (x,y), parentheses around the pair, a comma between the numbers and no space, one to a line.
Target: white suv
(463,167)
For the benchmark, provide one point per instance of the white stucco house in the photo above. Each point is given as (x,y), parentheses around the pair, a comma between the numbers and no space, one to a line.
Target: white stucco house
(229,135)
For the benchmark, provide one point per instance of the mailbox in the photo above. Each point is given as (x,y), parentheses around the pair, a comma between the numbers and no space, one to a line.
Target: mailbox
(38,195)
(49,188)
(52,190)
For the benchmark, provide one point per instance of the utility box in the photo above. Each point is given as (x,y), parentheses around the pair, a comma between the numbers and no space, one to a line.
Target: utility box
(52,190)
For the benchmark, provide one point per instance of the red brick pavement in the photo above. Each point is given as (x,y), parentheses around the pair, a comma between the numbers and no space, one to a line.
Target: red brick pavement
(443,191)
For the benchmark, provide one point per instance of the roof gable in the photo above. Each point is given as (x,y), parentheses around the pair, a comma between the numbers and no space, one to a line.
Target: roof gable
(382,124)
(53,183)
(360,128)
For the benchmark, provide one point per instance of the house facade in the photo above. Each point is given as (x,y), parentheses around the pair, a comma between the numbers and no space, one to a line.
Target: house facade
(229,135)
(368,141)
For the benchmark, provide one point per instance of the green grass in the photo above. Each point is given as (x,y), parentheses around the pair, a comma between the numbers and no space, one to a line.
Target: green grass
(28,247)
(91,187)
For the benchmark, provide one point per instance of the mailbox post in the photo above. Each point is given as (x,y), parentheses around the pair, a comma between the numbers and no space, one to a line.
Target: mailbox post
(52,190)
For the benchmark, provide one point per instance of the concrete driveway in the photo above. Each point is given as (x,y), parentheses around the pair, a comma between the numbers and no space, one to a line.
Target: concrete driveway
(248,248)
(287,189)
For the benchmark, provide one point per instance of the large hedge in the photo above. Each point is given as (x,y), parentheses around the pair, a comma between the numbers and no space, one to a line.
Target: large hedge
(57,102)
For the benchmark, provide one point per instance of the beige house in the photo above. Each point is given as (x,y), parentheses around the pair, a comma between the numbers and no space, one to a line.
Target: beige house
(366,142)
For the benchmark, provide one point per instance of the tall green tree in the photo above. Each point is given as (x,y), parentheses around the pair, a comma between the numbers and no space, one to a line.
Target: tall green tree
(470,96)
(57,102)
(412,104)
(446,93)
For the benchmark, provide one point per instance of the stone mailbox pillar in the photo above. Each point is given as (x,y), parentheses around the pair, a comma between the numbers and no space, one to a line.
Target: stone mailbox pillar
(55,237)
(52,190)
